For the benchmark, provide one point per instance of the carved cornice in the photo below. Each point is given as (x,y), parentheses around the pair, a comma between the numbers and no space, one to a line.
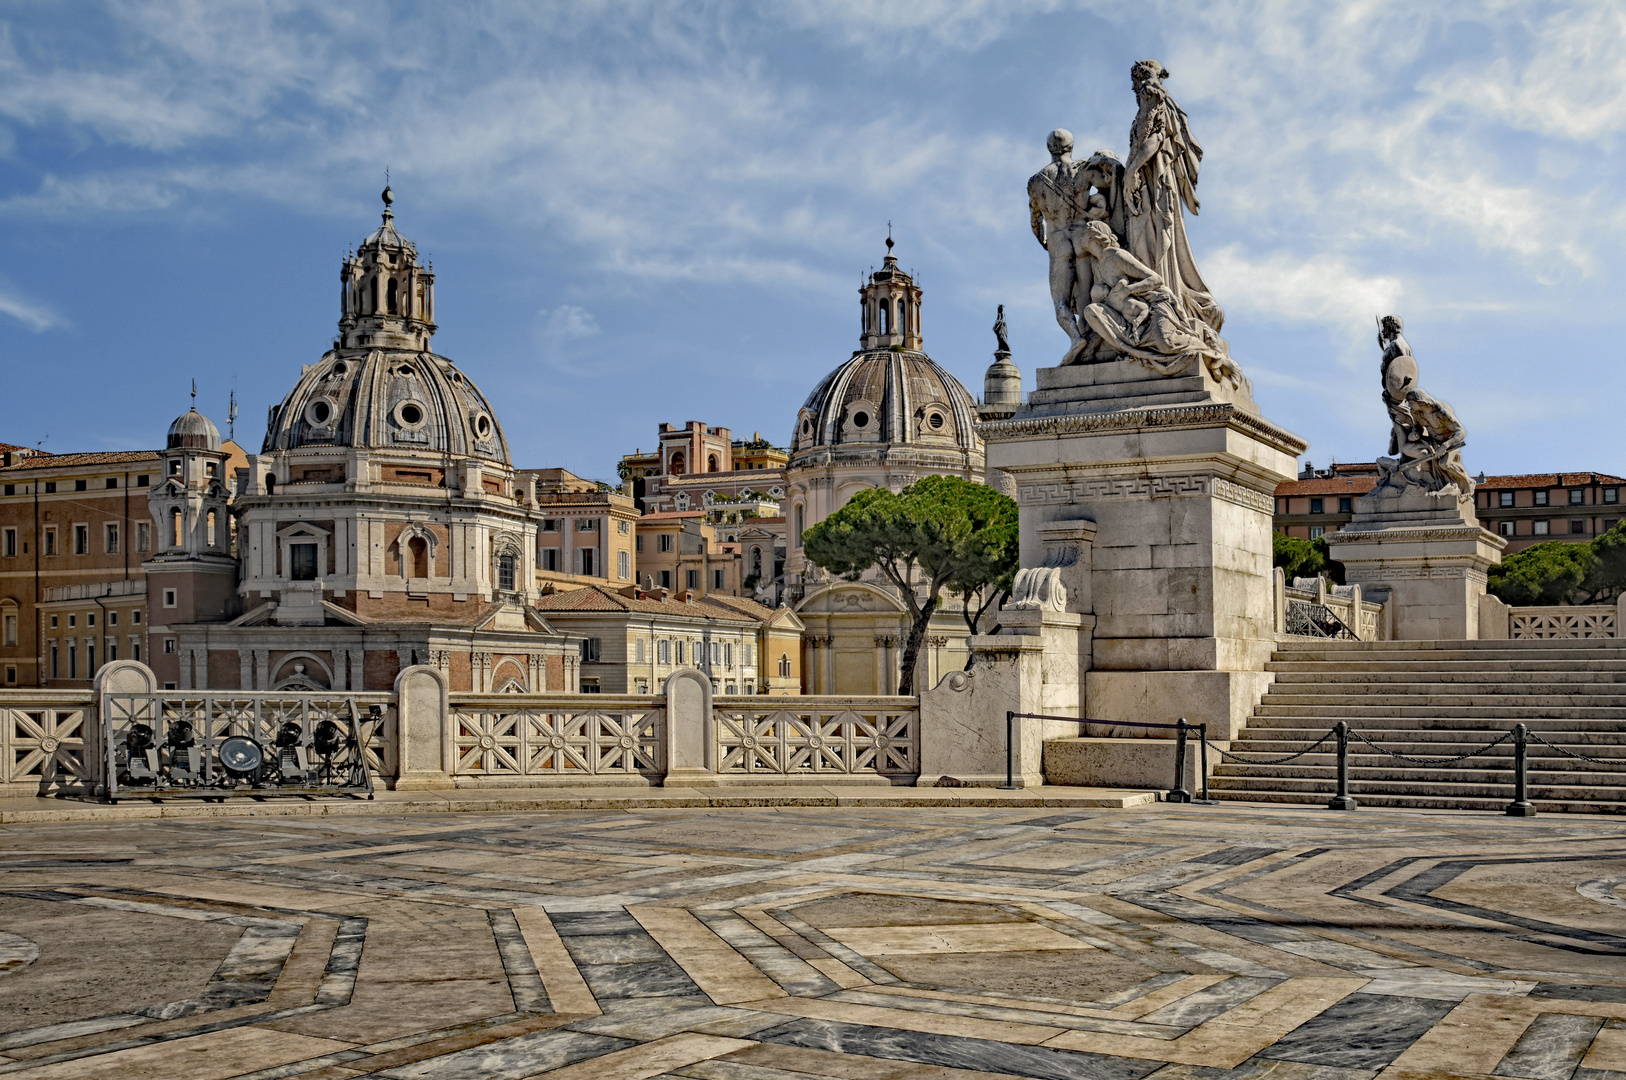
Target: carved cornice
(1107,489)
(1171,418)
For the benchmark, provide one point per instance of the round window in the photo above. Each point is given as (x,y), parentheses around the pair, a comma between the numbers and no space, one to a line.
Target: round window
(405,371)
(319,412)
(807,426)
(860,419)
(411,415)
(482,425)
(457,376)
(935,420)
(340,368)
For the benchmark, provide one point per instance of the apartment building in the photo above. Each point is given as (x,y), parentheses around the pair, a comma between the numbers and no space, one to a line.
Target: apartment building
(587,534)
(1525,508)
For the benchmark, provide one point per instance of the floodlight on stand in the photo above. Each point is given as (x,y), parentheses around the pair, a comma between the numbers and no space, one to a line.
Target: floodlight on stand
(185,759)
(292,765)
(288,735)
(241,757)
(140,755)
(328,739)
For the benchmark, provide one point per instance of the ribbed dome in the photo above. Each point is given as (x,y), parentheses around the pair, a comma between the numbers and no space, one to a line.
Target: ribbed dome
(192,431)
(387,399)
(887,396)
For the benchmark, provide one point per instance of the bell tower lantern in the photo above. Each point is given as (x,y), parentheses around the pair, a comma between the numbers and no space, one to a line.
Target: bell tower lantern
(890,306)
(386,299)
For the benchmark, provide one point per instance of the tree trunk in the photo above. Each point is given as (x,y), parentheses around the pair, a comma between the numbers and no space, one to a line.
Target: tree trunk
(911,651)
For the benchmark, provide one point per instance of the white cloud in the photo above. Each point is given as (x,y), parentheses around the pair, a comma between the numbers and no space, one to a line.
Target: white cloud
(1287,288)
(569,322)
(36,316)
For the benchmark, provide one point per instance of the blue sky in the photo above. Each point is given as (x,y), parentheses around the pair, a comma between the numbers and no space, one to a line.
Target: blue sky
(646,212)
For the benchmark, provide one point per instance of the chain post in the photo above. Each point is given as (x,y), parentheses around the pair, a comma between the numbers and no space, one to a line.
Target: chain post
(1521,805)
(1202,749)
(1010,750)
(1343,800)
(1178,793)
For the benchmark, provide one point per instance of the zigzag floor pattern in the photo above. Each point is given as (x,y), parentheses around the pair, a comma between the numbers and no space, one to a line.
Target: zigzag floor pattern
(1177,943)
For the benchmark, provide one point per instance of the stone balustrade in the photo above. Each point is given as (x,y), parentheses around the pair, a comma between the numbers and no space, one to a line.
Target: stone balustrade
(421,736)
(1572,622)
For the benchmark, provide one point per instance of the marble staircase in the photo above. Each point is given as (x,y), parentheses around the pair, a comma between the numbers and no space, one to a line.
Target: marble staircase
(1438,699)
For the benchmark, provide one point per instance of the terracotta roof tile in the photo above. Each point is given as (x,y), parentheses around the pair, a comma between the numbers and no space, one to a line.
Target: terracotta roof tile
(596,598)
(113,457)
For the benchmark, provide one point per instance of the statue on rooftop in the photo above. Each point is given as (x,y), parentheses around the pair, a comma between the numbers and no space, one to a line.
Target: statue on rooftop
(1122,276)
(1425,436)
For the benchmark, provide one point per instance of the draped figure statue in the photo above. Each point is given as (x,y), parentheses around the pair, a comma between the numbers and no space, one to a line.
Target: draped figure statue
(1425,437)
(1160,178)
(1123,280)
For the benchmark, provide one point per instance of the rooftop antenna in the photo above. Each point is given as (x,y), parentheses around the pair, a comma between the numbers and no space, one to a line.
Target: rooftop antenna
(231,417)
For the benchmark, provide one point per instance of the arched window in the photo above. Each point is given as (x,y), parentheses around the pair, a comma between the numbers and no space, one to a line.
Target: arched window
(784,665)
(270,484)
(886,317)
(175,528)
(418,555)
(756,562)
(212,540)
(394,303)
(507,571)
(711,463)
(903,322)
(677,463)
(801,524)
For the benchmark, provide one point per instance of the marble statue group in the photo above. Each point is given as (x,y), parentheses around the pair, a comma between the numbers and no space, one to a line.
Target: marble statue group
(1122,276)
(1426,439)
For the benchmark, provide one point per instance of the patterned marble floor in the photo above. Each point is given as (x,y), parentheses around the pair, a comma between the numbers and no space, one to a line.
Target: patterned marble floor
(1179,943)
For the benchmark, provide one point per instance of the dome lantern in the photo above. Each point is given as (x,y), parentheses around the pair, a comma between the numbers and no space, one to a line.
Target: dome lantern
(387,299)
(889,307)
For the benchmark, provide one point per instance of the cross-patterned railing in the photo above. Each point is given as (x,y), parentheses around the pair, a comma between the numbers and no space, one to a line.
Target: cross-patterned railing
(838,736)
(1564,622)
(47,742)
(510,737)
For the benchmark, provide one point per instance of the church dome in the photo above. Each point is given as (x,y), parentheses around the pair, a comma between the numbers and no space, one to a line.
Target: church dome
(889,395)
(380,387)
(192,431)
(387,399)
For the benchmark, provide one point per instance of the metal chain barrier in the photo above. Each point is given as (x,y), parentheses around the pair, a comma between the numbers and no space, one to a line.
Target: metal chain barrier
(1227,755)
(1573,754)
(1505,736)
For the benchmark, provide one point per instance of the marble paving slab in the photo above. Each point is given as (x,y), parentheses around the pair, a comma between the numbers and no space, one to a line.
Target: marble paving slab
(779,942)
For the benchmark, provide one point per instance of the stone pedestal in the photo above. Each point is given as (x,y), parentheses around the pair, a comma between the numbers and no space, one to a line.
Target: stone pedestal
(1031,667)
(1178,476)
(1424,555)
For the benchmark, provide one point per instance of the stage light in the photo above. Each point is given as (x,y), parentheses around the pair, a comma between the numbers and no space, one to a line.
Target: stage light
(241,757)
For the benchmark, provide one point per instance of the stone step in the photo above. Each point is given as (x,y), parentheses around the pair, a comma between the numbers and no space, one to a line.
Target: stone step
(1548,727)
(1377,800)
(1506,667)
(1528,645)
(1584,676)
(1353,711)
(1533,656)
(1451,792)
(1485,769)
(1447,701)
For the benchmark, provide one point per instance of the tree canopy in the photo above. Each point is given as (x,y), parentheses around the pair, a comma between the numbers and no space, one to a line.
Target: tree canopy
(1562,572)
(939,532)
(1304,558)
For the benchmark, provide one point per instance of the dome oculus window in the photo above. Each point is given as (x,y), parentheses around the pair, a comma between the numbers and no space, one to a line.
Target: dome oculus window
(934,420)
(405,372)
(319,412)
(409,414)
(860,419)
(807,426)
(339,369)
(482,426)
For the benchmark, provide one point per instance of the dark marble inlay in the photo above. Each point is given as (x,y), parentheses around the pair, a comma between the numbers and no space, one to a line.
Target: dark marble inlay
(638,948)
(1234,856)
(524,981)
(663,979)
(1363,1031)
(1576,992)
(956,1052)
(511,1059)
(1551,1047)
(575,923)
